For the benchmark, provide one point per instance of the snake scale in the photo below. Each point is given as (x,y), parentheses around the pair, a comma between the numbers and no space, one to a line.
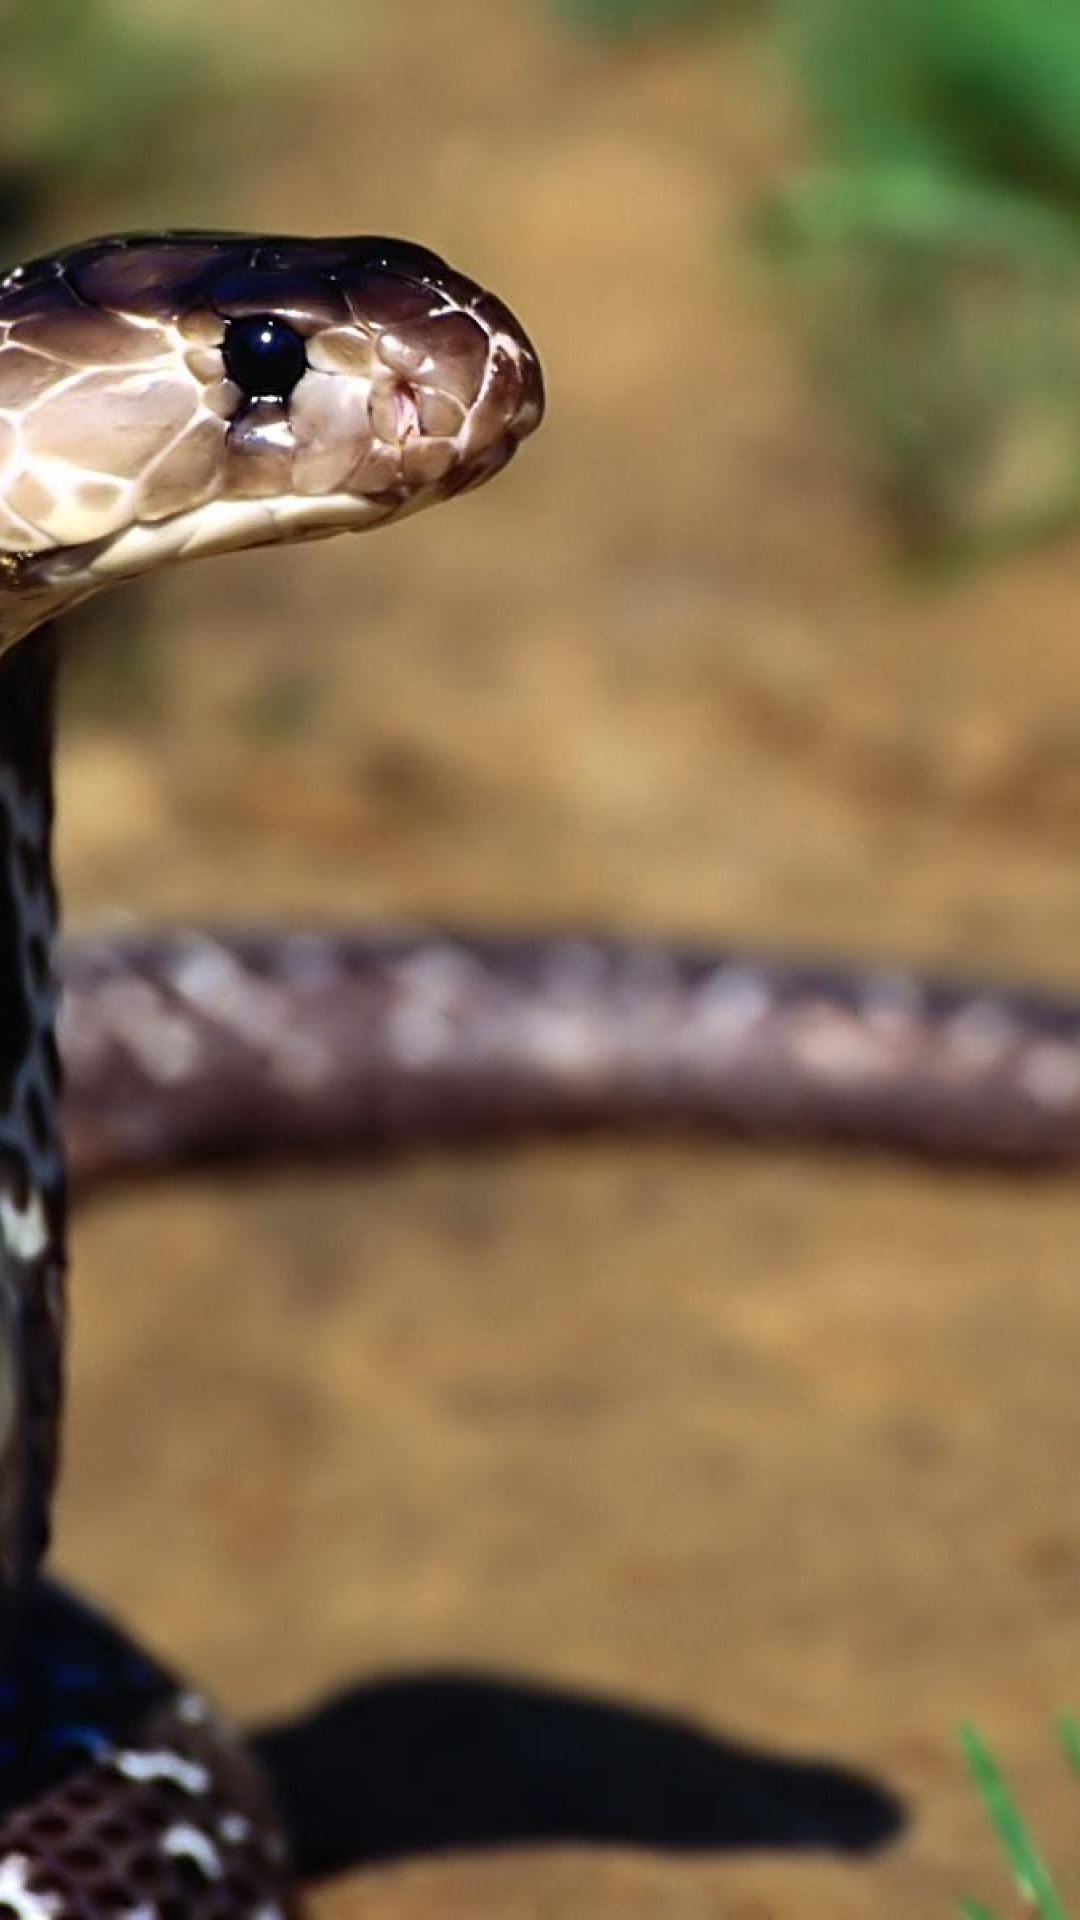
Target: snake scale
(171,395)
(208,1045)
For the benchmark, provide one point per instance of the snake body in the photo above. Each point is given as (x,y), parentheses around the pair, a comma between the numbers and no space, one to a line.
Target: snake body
(215,1044)
(162,397)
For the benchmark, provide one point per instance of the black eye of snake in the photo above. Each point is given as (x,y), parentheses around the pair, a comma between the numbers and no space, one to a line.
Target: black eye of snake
(264,356)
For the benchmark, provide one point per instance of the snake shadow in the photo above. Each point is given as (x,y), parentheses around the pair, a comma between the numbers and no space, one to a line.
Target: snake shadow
(439,1762)
(442,1762)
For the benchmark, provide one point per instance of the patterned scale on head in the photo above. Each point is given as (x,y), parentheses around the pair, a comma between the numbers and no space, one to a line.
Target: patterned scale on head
(162,396)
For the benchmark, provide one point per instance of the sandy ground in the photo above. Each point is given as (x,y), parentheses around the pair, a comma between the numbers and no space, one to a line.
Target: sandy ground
(777,1450)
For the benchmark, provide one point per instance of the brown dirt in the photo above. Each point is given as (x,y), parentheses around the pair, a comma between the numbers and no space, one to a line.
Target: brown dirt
(781,1444)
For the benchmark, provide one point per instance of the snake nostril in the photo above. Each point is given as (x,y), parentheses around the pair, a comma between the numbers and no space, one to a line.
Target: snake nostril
(264,356)
(394,412)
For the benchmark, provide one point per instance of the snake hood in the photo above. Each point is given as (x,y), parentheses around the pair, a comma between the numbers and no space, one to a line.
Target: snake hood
(171,395)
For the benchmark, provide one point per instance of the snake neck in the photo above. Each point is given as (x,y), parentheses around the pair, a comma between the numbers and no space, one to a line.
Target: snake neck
(31,1169)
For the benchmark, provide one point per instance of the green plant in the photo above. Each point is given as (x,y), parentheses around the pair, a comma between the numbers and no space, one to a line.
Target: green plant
(936,246)
(84,90)
(933,246)
(1031,1875)
(983,90)
(81,84)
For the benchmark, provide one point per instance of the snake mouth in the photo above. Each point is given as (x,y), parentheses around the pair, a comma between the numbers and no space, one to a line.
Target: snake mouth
(417,470)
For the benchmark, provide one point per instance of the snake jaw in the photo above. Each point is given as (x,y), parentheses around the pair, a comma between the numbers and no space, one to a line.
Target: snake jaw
(126,441)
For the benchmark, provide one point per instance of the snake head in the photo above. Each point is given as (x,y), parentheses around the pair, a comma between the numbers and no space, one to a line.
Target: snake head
(167,396)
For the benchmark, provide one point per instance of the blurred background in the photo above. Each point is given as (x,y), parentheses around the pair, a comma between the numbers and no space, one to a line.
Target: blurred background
(770,637)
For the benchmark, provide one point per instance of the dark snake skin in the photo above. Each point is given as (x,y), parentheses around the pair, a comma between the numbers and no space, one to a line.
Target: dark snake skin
(204,1046)
(161,397)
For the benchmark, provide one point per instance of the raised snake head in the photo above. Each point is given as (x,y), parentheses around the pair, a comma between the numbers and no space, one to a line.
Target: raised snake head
(166,396)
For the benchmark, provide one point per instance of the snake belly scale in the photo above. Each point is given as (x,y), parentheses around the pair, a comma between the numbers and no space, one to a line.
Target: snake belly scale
(166,396)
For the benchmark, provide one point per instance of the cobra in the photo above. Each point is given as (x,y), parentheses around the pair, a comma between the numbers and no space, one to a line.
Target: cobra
(164,397)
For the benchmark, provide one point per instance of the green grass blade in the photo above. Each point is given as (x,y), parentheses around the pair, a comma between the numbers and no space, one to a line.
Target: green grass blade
(1068,1733)
(1029,1869)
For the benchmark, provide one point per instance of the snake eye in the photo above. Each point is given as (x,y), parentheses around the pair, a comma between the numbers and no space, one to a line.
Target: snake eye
(263,356)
